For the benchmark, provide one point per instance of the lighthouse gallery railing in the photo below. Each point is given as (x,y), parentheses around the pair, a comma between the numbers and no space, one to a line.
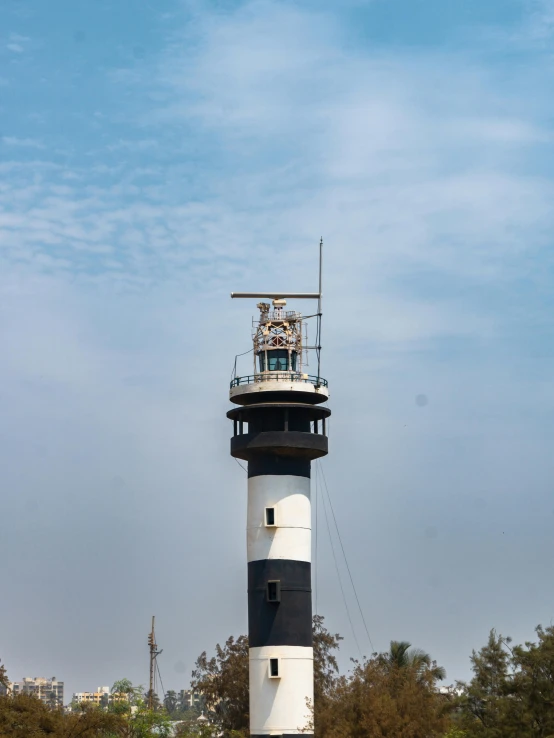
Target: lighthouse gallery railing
(279,377)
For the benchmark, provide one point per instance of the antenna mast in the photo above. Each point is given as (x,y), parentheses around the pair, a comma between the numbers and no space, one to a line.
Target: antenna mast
(153,654)
(319,313)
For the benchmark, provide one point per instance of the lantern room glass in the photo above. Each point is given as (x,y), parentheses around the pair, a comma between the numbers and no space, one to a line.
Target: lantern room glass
(278,361)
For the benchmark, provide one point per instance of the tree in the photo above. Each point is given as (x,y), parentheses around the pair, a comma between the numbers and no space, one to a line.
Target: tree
(3,676)
(25,716)
(533,684)
(53,700)
(156,704)
(484,703)
(123,690)
(140,722)
(325,662)
(171,701)
(147,723)
(194,729)
(384,697)
(223,682)
(511,694)
(402,655)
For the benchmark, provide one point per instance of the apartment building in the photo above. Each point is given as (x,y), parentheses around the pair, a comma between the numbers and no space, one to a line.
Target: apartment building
(100,697)
(187,699)
(49,691)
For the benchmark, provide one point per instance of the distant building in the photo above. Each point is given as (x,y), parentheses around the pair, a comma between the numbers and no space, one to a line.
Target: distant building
(100,697)
(50,691)
(188,699)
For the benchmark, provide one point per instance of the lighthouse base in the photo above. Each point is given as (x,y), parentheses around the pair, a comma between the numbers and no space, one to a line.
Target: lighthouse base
(275,707)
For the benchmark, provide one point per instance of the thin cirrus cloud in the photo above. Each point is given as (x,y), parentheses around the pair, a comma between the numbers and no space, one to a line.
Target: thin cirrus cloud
(29,143)
(380,135)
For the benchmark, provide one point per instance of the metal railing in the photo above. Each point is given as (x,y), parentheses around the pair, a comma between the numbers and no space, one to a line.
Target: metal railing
(279,377)
(281,315)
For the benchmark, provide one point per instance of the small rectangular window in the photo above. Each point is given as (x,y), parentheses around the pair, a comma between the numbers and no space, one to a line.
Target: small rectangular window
(274,591)
(273,668)
(270,516)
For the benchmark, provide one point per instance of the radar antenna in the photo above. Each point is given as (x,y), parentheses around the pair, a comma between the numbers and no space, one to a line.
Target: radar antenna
(277,297)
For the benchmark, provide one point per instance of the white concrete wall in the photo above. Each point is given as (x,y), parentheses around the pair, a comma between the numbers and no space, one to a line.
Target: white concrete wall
(281,705)
(291,536)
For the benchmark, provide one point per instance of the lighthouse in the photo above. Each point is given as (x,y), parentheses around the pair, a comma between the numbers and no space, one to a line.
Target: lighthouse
(279,428)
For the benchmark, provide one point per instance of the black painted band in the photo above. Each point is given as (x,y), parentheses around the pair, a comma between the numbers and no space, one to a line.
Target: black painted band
(271,464)
(297,444)
(284,623)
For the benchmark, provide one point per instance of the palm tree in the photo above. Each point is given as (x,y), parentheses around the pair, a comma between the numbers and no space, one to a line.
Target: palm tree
(170,701)
(52,699)
(402,656)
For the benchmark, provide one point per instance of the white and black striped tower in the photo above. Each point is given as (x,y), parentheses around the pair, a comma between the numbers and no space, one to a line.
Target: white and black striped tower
(279,429)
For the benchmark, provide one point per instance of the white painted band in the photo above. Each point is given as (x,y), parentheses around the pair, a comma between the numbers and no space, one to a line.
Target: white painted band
(281,705)
(291,536)
(278,386)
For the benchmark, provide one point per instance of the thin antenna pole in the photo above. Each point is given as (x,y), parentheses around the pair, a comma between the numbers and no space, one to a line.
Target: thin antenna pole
(319,309)
(320,273)
(152,644)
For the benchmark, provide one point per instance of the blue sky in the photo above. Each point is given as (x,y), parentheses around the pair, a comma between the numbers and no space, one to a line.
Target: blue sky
(154,158)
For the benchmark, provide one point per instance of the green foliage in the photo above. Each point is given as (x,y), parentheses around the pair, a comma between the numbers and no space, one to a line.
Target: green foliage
(146,723)
(223,682)
(171,701)
(156,704)
(511,694)
(194,729)
(26,716)
(391,694)
(402,655)
(325,662)
(484,704)
(3,676)
(124,687)
(139,720)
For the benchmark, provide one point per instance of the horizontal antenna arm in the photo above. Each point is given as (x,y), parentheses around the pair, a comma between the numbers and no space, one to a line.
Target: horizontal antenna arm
(279,295)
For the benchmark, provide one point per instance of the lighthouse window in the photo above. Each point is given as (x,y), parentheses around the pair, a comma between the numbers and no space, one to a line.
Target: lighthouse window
(270,516)
(274,668)
(278,360)
(274,591)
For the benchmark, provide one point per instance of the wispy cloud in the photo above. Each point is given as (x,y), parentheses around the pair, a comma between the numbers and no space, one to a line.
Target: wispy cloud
(374,142)
(29,143)
(18,38)
(133,145)
(377,150)
(540,26)
(16,43)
